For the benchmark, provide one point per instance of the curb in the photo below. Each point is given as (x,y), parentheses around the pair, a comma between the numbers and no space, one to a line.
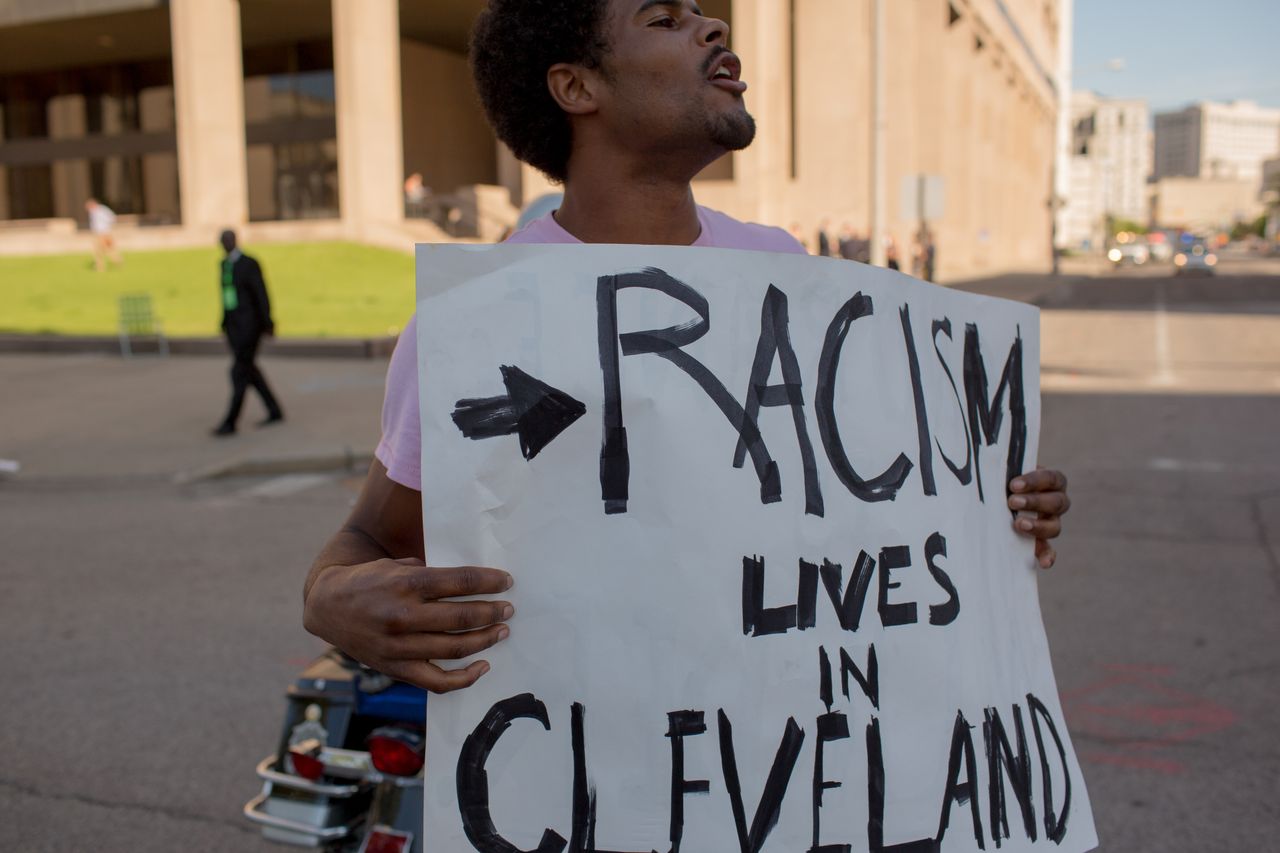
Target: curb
(349,459)
(366,348)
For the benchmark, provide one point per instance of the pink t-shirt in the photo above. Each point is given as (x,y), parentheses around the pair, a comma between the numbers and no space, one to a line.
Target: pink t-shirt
(401,447)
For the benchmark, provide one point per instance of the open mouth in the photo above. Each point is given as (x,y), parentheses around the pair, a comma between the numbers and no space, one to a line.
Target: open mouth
(726,73)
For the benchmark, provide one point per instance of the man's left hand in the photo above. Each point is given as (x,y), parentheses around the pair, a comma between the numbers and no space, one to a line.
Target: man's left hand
(1044,493)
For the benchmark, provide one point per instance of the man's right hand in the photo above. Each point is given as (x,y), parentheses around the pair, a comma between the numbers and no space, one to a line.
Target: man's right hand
(397,617)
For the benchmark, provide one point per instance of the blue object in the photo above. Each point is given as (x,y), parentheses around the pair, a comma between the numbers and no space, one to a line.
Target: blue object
(400,702)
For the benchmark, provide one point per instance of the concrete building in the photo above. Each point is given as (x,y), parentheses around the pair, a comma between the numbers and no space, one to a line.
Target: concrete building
(1110,164)
(1217,141)
(1270,196)
(302,118)
(1202,205)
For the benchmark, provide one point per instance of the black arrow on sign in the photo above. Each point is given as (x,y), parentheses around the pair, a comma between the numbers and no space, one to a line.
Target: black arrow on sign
(531,408)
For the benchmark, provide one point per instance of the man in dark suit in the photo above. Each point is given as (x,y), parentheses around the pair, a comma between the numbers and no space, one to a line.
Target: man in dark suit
(246,317)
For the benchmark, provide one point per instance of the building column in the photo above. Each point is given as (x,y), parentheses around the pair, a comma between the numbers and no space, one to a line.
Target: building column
(4,175)
(70,177)
(761,36)
(366,69)
(208,89)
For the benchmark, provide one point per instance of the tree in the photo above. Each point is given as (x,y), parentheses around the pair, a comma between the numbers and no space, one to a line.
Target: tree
(1120,225)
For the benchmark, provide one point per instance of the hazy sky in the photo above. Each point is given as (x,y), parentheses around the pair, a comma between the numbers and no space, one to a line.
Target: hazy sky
(1179,51)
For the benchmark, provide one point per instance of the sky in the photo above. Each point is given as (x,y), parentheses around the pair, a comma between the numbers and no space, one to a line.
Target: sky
(1177,52)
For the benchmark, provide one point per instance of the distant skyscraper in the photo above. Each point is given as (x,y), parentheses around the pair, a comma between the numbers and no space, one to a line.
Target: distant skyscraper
(1216,141)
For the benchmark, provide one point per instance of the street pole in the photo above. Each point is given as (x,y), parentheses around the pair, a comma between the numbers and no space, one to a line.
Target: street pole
(877,135)
(1060,179)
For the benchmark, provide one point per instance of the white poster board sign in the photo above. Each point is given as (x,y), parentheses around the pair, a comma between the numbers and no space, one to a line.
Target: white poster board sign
(768,595)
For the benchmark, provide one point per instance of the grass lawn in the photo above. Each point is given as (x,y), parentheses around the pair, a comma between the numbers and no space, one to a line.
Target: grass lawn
(317,290)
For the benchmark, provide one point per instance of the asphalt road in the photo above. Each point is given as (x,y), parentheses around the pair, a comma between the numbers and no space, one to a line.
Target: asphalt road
(150,628)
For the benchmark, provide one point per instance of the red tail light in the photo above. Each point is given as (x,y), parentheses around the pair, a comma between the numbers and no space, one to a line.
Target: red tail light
(397,751)
(307,766)
(384,839)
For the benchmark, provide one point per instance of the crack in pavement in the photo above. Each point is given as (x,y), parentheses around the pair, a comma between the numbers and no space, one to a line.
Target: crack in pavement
(1264,538)
(1242,672)
(83,799)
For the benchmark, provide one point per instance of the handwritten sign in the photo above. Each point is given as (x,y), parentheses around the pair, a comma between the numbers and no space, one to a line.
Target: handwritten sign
(768,594)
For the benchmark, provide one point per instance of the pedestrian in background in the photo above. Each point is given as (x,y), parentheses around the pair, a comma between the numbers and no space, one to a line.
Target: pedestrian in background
(891,254)
(847,245)
(102,220)
(824,238)
(925,255)
(246,317)
(415,195)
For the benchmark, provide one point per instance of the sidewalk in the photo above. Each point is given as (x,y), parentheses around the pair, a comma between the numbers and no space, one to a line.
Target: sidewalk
(90,416)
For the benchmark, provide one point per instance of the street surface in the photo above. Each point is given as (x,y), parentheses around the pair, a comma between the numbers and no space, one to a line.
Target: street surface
(152,623)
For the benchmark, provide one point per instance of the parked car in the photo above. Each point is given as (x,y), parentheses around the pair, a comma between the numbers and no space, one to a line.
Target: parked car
(1129,253)
(1195,260)
(347,772)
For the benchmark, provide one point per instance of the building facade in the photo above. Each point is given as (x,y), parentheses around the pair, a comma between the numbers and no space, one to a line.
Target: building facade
(190,115)
(1110,165)
(1226,142)
(1270,197)
(1204,205)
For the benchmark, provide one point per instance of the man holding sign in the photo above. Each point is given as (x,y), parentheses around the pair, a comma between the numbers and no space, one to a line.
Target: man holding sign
(625,101)
(626,109)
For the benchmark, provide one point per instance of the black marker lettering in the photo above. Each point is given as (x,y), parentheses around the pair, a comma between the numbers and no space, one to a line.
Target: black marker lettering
(473,779)
(922,415)
(615,463)
(680,725)
(895,557)
(775,342)
(825,691)
(870,682)
(758,620)
(848,604)
(807,596)
(583,837)
(1001,759)
(667,344)
(775,787)
(1054,827)
(830,727)
(965,474)
(941,614)
(884,487)
(957,791)
(985,417)
(875,801)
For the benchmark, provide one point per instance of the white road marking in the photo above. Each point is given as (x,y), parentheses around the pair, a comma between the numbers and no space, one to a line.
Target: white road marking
(285,485)
(1164,348)
(1161,463)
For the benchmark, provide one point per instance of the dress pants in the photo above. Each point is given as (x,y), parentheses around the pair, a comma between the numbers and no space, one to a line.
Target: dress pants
(245,373)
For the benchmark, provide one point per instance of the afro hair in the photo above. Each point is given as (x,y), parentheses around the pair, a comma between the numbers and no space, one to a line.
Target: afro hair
(513,44)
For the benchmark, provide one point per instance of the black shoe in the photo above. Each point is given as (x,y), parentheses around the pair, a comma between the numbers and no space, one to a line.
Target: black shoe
(277,418)
(224,430)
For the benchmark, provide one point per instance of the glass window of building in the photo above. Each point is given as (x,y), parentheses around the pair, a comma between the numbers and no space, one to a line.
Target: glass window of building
(290,111)
(86,111)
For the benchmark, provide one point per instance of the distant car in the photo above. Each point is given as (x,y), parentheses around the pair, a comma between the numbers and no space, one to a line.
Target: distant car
(1129,253)
(1195,260)
(1161,252)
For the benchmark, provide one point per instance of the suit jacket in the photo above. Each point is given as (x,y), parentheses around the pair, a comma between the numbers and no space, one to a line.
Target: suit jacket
(246,309)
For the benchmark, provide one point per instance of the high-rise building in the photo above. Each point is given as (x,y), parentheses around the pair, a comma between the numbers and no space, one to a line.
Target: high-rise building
(189,115)
(1110,164)
(1216,141)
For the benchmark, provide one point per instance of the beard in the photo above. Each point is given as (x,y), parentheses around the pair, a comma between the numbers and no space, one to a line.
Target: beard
(732,131)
